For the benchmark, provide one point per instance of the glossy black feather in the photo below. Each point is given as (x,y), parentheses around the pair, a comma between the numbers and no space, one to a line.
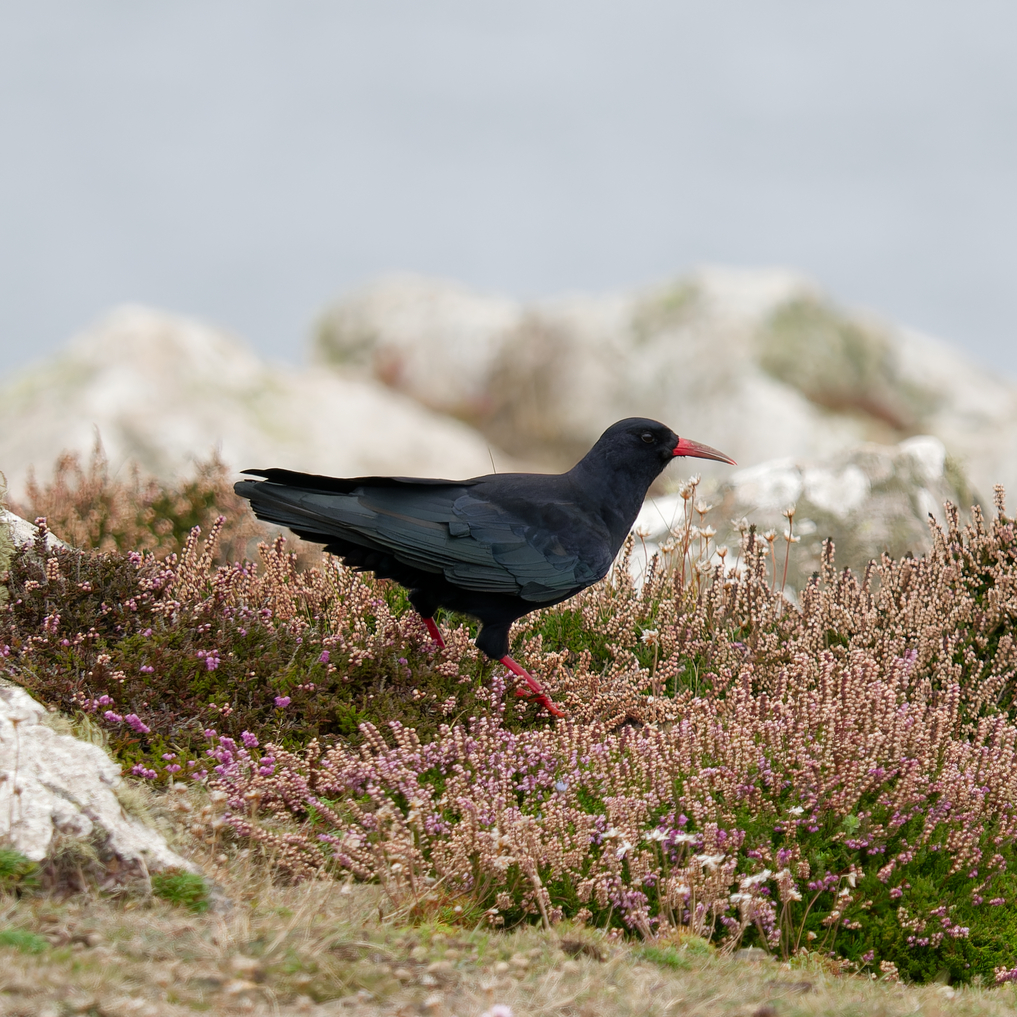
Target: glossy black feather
(495,547)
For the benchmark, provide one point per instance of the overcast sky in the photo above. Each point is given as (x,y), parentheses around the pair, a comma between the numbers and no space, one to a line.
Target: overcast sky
(245,161)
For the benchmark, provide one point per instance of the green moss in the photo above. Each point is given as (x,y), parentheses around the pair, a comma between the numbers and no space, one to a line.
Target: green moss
(17,872)
(665,957)
(839,363)
(668,309)
(184,889)
(23,940)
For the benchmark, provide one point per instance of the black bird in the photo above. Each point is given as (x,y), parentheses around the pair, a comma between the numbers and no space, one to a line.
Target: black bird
(494,547)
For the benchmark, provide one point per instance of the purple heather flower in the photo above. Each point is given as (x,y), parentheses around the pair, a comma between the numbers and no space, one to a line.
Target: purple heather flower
(250,741)
(140,770)
(173,768)
(113,718)
(323,658)
(146,669)
(282,702)
(137,724)
(169,755)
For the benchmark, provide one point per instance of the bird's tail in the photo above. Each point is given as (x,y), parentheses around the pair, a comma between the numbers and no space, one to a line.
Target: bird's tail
(284,506)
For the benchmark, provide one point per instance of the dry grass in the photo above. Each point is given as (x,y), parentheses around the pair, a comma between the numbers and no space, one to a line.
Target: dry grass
(327,948)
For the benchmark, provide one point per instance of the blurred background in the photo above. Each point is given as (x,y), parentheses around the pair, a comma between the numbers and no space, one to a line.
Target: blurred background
(440,238)
(244,161)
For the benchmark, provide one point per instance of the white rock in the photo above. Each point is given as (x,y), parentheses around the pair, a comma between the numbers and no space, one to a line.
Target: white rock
(24,532)
(869,499)
(54,784)
(164,391)
(839,492)
(757,363)
(434,339)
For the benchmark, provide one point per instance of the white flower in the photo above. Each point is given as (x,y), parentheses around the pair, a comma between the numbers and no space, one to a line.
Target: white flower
(623,850)
(657,834)
(684,838)
(710,861)
(796,810)
(759,877)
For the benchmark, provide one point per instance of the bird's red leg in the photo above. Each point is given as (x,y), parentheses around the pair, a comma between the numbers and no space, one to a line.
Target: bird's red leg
(539,695)
(435,634)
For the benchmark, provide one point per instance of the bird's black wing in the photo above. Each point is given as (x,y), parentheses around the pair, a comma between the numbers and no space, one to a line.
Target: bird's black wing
(438,527)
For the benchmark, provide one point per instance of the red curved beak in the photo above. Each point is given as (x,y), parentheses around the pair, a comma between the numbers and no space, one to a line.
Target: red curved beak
(685,447)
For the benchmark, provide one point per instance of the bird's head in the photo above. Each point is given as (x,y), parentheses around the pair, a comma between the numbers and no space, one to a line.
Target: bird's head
(648,444)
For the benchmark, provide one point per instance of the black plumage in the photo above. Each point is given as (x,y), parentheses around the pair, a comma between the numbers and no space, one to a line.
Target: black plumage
(495,547)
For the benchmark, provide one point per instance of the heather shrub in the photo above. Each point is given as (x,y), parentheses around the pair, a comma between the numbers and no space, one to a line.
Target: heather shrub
(835,777)
(6,546)
(88,508)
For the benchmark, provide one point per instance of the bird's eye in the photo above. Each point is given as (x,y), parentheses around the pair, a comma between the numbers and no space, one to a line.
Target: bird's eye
(647,437)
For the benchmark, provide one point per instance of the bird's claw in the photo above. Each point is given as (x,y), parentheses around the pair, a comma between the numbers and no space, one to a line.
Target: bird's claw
(541,699)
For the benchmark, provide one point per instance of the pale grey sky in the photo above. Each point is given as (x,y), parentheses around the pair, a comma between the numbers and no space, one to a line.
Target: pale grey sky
(244,161)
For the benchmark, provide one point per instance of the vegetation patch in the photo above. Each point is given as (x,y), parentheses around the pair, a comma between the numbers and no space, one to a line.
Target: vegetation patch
(832,782)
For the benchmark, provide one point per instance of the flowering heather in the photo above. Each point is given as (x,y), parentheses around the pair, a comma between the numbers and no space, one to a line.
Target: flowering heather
(837,776)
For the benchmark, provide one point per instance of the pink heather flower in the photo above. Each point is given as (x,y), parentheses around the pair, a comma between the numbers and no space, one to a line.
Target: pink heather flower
(210,732)
(323,659)
(113,718)
(250,741)
(146,669)
(282,702)
(869,957)
(139,770)
(137,724)
(169,755)
(147,633)
(174,768)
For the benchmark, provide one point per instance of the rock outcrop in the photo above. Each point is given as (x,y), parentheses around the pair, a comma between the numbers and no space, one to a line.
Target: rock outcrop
(163,391)
(55,786)
(869,499)
(760,364)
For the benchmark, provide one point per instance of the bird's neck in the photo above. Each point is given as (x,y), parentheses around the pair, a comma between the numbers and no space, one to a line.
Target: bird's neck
(615,491)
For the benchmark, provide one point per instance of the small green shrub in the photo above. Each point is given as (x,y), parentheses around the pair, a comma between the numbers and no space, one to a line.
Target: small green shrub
(23,940)
(184,889)
(17,872)
(665,957)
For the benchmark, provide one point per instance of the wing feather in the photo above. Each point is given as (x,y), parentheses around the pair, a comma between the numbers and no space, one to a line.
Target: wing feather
(444,528)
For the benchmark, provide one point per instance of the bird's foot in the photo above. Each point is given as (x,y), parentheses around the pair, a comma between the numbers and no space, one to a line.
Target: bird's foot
(435,634)
(535,693)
